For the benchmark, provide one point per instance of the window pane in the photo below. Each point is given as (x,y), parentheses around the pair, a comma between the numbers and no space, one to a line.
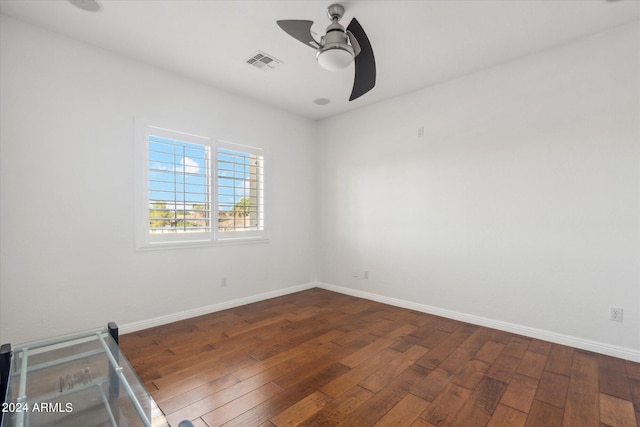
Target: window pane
(240,191)
(178,185)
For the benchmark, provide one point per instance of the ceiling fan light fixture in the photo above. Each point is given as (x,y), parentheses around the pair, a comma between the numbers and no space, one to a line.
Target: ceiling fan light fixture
(335,58)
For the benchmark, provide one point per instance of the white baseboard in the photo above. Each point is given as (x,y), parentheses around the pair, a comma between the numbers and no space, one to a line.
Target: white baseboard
(187,314)
(597,347)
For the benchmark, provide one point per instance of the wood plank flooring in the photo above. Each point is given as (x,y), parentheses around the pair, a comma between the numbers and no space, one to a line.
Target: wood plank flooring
(319,358)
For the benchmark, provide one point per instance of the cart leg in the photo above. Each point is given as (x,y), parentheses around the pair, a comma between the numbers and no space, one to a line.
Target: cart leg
(5,367)
(113,331)
(114,381)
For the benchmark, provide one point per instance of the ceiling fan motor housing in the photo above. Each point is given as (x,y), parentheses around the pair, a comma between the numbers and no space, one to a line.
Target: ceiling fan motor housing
(336,39)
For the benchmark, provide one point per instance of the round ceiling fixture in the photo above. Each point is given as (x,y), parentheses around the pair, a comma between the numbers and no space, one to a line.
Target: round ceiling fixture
(88,5)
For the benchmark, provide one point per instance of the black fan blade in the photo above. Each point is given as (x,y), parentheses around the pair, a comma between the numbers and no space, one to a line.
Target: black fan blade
(299,30)
(365,78)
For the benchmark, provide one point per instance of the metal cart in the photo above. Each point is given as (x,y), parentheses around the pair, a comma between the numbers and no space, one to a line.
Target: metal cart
(80,379)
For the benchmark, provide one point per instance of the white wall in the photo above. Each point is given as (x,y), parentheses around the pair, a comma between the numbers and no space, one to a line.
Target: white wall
(519,205)
(68,258)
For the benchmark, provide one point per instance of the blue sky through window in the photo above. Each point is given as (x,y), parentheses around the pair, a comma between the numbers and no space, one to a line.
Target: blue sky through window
(177,172)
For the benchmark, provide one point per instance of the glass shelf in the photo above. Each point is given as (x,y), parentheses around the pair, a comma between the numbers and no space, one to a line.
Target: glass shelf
(77,380)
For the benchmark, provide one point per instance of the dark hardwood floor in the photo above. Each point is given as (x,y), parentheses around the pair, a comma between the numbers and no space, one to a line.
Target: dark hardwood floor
(320,358)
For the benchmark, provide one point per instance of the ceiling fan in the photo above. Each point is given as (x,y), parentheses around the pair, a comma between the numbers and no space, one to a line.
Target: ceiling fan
(339,47)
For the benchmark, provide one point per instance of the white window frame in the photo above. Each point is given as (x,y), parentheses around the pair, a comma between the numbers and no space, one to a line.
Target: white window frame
(150,241)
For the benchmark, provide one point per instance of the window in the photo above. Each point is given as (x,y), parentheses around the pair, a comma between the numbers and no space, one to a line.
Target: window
(194,190)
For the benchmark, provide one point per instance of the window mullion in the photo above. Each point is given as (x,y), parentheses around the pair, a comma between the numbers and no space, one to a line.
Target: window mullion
(213,182)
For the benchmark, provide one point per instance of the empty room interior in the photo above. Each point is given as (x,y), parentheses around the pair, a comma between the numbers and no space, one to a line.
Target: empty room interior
(441,229)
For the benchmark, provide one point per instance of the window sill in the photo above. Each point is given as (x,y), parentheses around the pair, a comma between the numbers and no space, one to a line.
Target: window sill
(156,246)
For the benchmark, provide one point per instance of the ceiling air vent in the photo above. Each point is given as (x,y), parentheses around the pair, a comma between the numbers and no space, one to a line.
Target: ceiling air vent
(263,61)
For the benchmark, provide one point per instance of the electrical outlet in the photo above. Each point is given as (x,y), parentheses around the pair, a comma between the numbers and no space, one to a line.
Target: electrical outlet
(223,282)
(365,274)
(355,273)
(615,314)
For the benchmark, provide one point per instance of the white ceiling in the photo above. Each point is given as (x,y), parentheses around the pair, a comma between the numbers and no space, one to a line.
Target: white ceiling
(416,43)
